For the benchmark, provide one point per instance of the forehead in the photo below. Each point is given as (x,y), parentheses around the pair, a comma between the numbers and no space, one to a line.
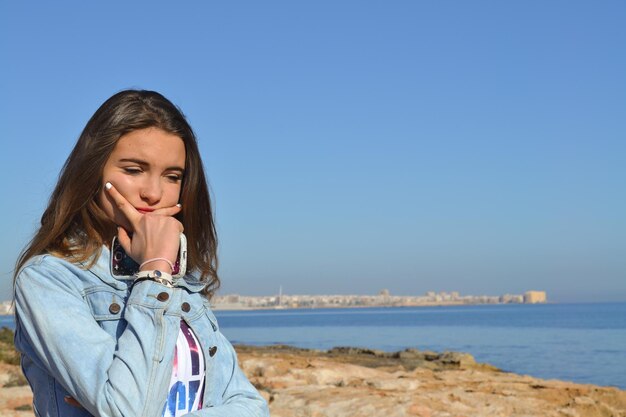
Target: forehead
(152,145)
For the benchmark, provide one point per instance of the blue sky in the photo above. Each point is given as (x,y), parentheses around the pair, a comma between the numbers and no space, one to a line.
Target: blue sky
(352,146)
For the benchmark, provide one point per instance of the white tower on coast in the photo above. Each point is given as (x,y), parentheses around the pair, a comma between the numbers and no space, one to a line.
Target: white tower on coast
(279,300)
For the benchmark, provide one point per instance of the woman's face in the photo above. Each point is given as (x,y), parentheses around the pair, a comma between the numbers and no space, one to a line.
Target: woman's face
(146,167)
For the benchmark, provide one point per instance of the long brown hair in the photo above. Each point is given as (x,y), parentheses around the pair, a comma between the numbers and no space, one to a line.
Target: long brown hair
(74,227)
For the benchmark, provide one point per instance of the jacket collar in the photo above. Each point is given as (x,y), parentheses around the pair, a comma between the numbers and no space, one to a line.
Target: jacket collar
(102,269)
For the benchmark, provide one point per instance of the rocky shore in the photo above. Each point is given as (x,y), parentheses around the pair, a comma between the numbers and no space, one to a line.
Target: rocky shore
(352,382)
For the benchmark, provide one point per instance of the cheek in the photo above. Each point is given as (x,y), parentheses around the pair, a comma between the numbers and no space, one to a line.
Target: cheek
(105,202)
(125,185)
(171,196)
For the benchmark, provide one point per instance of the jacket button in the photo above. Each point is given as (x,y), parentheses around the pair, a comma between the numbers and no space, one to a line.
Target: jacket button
(114,308)
(212,351)
(163,296)
(185,307)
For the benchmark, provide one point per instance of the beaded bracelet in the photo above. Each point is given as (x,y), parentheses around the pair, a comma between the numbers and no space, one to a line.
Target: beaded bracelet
(157,259)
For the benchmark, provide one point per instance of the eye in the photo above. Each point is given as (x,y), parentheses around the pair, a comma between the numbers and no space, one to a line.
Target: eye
(132,170)
(174,177)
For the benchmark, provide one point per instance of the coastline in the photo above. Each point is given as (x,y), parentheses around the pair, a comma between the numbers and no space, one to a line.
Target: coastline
(240,307)
(355,382)
(571,342)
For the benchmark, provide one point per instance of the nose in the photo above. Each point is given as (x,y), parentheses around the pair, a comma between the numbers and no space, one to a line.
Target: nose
(151,191)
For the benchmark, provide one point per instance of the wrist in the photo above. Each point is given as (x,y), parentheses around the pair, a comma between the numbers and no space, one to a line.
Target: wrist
(162,264)
(156,275)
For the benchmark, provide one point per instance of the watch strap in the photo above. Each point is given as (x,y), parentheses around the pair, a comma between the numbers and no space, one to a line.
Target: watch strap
(155,275)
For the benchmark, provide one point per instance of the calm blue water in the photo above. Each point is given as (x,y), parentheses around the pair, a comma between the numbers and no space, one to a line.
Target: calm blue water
(578,342)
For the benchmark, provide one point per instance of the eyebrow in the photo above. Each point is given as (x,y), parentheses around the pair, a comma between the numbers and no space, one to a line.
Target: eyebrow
(146,163)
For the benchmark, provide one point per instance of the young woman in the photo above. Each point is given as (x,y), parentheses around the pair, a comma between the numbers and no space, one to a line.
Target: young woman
(98,342)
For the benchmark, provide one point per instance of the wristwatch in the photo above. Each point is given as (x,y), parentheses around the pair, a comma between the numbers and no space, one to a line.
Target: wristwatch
(157,276)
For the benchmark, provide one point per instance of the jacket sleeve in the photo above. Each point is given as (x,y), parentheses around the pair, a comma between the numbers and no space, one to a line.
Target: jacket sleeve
(57,331)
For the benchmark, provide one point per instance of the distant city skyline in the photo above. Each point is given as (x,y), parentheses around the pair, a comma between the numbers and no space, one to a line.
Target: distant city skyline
(383,299)
(352,146)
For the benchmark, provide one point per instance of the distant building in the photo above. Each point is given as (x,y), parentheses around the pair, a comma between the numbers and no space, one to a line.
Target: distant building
(232,298)
(511,298)
(534,297)
(6,307)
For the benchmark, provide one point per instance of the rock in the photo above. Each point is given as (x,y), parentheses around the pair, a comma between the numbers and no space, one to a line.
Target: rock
(394,384)
(335,384)
(342,350)
(457,360)
(584,401)
(411,354)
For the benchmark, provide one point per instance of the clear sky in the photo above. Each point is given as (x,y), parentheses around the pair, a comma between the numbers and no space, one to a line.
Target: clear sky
(352,146)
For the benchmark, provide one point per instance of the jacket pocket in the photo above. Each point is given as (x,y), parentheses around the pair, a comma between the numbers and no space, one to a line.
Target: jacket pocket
(107,307)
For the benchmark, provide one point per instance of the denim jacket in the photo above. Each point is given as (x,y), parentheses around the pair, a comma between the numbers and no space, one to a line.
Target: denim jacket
(109,344)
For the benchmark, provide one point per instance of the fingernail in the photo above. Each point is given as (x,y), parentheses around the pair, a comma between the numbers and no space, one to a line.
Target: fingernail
(108,185)
(178,205)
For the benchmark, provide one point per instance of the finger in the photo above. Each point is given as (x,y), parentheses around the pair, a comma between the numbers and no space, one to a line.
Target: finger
(168,211)
(127,209)
(124,238)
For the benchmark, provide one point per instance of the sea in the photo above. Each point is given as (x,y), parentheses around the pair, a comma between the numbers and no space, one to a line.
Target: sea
(584,343)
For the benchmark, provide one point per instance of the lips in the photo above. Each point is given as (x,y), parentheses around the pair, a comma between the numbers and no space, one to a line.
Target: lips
(144,210)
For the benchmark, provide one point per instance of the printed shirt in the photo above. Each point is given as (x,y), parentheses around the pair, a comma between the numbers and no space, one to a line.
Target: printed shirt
(187,382)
